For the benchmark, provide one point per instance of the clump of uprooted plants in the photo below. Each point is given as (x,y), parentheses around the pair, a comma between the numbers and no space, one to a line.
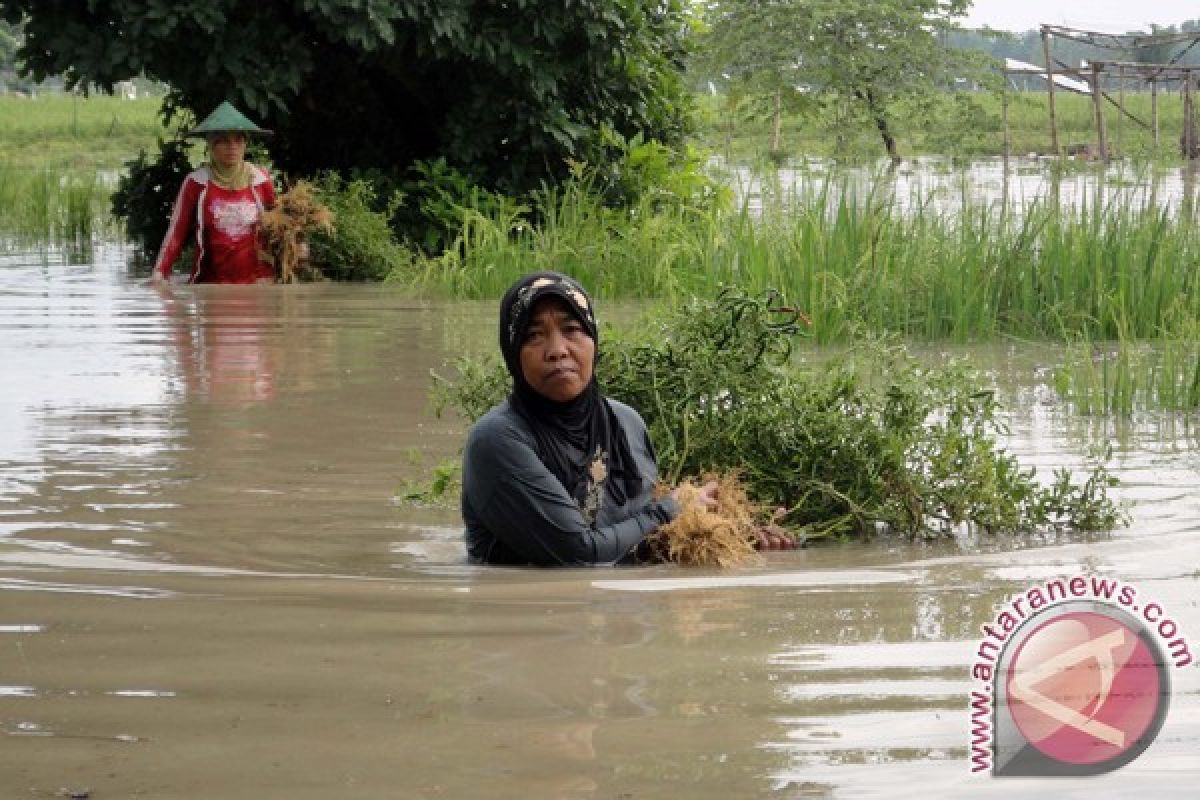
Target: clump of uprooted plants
(285,228)
(720,537)
(865,441)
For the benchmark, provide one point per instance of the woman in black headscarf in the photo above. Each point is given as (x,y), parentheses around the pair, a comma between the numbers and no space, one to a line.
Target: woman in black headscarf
(557,474)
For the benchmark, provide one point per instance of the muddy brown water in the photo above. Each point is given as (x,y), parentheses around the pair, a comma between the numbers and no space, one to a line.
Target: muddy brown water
(206,590)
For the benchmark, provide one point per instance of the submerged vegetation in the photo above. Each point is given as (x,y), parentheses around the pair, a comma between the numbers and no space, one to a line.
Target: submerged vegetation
(1130,375)
(43,205)
(865,441)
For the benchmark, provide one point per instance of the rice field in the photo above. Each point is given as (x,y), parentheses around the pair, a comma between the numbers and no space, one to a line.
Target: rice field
(855,258)
(60,155)
(1128,376)
(46,206)
(67,132)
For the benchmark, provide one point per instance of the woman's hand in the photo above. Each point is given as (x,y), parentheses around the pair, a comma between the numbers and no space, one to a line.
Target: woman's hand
(707,498)
(772,536)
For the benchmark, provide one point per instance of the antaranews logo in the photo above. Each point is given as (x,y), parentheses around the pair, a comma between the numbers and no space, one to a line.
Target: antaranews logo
(1072,679)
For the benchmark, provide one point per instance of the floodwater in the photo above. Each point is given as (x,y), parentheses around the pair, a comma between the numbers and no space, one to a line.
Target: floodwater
(207,591)
(940,185)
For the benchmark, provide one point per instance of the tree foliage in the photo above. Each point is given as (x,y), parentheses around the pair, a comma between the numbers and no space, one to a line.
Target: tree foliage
(508,91)
(871,53)
(8,45)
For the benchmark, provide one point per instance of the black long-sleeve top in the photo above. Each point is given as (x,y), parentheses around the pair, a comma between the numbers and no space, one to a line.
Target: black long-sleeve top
(517,512)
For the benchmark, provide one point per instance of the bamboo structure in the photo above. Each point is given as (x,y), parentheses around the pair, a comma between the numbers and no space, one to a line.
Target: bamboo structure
(1189,132)
(1098,108)
(1050,85)
(1154,110)
(1095,74)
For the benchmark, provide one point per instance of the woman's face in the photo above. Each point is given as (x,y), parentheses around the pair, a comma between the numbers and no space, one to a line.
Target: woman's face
(228,148)
(556,354)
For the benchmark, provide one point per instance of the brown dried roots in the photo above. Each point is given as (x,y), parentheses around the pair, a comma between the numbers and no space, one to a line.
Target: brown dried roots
(724,537)
(282,229)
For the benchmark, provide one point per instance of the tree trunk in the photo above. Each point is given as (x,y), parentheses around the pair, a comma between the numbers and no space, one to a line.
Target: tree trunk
(885,132)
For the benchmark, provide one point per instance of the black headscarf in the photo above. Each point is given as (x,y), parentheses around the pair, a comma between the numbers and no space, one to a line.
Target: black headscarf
(587,424)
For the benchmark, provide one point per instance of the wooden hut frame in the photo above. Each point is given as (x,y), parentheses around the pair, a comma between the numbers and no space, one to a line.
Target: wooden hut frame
(1147,73)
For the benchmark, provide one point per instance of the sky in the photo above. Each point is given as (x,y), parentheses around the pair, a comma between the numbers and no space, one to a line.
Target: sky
(1107,16)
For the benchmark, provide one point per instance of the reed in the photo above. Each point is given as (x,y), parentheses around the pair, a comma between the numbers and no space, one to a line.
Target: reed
(857,256)
(635,252)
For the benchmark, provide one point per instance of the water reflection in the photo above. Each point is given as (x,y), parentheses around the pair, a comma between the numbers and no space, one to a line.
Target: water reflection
(944,186)
(237,345)
(224,351)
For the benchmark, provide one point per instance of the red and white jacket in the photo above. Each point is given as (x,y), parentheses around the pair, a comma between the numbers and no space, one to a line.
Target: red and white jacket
(225,225)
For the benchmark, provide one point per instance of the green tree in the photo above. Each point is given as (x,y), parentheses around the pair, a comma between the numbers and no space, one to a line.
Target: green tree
(8,45)
(507,91)
(752,46)
(872,53)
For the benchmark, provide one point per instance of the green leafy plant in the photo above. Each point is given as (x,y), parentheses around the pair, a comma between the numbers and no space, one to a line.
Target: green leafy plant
(867,440)
(361,245)
(147,190)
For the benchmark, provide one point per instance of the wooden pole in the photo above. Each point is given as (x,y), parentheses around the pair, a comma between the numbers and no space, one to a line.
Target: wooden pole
(1004,112)
(1154,110)
(1121,105)
(1050,89)
(1188,207)
(1188,133)
(1098,105)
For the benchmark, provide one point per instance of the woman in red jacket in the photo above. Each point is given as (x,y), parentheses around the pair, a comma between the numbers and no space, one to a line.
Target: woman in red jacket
(219,205)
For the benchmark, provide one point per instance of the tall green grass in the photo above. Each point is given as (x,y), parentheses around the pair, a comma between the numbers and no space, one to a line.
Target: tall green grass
(45,206)
(852,257)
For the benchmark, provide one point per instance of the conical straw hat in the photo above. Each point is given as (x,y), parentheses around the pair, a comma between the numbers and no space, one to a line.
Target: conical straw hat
(226,118)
